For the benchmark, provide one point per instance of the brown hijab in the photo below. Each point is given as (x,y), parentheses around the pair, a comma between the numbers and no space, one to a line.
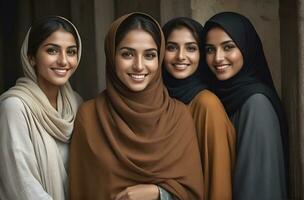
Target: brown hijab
(140,137)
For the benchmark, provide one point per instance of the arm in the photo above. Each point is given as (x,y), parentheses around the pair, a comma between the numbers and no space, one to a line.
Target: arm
(18,167)
(145,191)
(259,170)
(217,141)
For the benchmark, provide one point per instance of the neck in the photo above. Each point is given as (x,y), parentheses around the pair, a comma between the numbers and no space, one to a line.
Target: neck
(51,93)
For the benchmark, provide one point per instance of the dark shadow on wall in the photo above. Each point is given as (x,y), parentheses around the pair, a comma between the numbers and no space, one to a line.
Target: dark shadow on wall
(10,63)
(16,18)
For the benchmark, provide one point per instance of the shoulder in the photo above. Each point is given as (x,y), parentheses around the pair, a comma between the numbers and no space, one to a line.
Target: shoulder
(256,103)
(258,109)
(207,100)
(11,105)
(86,108)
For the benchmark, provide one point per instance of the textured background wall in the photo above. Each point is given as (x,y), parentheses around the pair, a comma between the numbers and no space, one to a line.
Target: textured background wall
(264,14)
(292,51)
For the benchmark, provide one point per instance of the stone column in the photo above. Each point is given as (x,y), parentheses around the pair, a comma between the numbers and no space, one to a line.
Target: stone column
(292,57)
(174,8)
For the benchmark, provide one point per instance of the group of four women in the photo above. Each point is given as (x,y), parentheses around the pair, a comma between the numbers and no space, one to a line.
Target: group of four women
(188,113)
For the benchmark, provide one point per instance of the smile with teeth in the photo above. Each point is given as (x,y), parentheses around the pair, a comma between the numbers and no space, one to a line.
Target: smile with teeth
(221,67)
(180,66)
(60,71)
(138,77)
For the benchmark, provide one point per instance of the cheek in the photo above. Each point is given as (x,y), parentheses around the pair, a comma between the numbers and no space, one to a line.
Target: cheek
(195,58)
(169,56)
(153,66)
(73,61)
(122,66)
(209,60)
(237,58)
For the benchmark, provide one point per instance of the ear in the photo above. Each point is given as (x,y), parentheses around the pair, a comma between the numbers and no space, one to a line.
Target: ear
(32,61)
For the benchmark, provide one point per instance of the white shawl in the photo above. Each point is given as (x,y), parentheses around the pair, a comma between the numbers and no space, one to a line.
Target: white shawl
(46,124)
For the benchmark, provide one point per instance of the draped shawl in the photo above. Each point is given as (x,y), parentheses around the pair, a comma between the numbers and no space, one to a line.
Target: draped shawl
(46,124)
(134,138)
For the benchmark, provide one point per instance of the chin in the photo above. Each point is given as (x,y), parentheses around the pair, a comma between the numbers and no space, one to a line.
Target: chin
(60,82)
(180,75)
(138,88)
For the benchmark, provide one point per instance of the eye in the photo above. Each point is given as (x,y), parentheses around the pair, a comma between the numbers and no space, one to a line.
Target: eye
(127,54)
(72,52)
(229,47)
(209,49)
(52,50)
(171,47)
(192,48)
(150,55)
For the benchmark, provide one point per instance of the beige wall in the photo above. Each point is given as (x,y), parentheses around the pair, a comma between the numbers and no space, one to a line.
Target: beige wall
(174,8)
(104,16)
(263,14)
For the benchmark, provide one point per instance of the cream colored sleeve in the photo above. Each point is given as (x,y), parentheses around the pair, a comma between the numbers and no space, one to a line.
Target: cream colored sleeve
(19,176)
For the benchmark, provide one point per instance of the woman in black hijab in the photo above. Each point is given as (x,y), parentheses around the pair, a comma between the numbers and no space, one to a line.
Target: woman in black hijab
(183,73)
(242,80)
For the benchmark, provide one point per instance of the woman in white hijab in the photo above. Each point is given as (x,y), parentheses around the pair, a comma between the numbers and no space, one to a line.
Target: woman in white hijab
(37,114)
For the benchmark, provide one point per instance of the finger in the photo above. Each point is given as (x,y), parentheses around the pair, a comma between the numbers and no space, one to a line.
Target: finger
(120,196)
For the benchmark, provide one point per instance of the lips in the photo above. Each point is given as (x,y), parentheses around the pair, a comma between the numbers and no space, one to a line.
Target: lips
(222,67)
(180,66)
(60,71)
(137,77)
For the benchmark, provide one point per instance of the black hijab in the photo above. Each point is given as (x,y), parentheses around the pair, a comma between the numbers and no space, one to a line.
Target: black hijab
(254,77)
(185,89)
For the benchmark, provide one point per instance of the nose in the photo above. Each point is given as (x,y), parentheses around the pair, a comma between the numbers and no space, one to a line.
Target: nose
(138,65)
(62,59)
(181,54)
(219,55)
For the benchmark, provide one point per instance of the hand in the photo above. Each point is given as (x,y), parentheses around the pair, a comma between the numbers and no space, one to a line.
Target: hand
(139,192)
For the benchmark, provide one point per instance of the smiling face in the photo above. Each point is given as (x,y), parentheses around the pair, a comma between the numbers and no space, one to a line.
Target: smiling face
(136,60)
(182,53)
(223,56)
(55,60)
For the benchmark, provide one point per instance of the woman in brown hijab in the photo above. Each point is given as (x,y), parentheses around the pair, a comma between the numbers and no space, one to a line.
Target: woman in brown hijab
(133,136)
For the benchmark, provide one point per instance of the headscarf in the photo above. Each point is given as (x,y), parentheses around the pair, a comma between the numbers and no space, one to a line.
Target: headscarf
(151,134)
(185,89)
(46,124)
(254,76)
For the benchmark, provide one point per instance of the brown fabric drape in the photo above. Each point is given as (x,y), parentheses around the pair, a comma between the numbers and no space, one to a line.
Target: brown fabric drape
(123,138)
(217,142)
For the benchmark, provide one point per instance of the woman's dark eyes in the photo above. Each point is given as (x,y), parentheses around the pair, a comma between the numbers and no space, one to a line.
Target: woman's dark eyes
(52,51)
(127,54)
(209,49)
(229,47)
(72,52)
(150,55)
(171,47)
(192,48)
(69,52)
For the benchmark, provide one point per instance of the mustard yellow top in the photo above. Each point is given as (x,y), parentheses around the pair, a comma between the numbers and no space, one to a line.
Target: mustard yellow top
(217,142)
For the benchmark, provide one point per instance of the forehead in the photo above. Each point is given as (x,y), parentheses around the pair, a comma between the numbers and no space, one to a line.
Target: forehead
(217,35)
(181,35)
(138,39)
(60,37)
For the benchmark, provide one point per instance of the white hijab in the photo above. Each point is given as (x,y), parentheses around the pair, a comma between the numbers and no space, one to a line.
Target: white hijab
(47,124)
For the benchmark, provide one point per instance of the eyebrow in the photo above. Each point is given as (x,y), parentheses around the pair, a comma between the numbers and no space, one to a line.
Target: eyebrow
(131,49)
(225,42)
(169,42)
(58,46)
